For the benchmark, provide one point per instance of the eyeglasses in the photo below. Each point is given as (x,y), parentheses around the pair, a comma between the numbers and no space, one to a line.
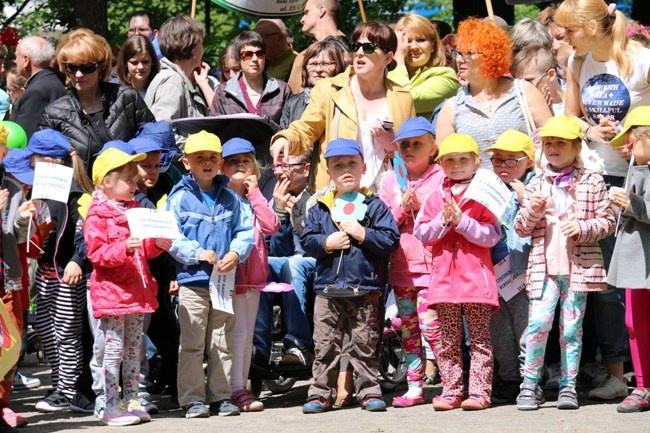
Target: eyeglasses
(323,65)
(286,165)
(248,55)
(138,31)
(367,47)
(510,163)
(468,55)
(85,69)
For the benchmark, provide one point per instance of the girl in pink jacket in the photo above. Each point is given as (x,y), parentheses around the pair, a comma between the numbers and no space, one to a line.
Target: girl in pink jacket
(461,233)
(410,264)
(240,166)
(122,288)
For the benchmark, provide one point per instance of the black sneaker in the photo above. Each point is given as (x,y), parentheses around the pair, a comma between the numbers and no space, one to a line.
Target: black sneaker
(54,402)
(505,392)
(224,408)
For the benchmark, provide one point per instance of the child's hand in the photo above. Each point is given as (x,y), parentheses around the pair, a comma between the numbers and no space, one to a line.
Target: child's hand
(132,244)
(163,244)
(570,227)
(410,201)
(173,288)
(280,194)
(208,256)
(519,187)
(355,230)
(4,196)
(619,198)
(27,209)
(229,262)
(337,241)
(72,274)
(251,183)
(538,201)
(452,213)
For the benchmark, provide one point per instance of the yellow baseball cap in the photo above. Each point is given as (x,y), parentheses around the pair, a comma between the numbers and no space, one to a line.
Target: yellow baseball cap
(455,143)
(202,141)
(640,116)
(513,141)
(110,159)
(4,134)
(567,127)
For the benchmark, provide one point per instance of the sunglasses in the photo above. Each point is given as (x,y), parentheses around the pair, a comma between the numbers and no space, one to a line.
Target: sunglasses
(248,55)
(367,47)
(86,69)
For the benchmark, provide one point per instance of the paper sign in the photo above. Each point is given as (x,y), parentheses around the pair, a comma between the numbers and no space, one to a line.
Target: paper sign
(52,181)
(264,8)
(508,284)
(151,223)
(349,207)
(400,171)
(222,289)
(488,189)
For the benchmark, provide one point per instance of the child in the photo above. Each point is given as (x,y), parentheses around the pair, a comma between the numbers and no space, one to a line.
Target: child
(629,265)
(119,299)
(240,166)
(351,272)
(512,159)
(566,212)
(461,233)
(409,265)
(215,230)
(59,279)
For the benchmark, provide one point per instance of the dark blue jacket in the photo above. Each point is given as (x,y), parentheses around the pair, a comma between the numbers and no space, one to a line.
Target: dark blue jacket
(364,267)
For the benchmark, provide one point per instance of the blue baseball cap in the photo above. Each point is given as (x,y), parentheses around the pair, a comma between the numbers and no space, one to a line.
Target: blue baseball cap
(343,147)
(48,142)
(163,133)
(116,144)
(17,163)
(414,127)
(144,144)
(235,146)
(5,102)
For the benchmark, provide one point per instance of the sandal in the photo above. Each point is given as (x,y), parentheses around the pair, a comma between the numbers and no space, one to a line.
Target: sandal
(638,401)
(343,401)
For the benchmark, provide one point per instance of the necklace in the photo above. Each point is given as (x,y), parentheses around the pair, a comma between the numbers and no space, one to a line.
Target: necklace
(94,107)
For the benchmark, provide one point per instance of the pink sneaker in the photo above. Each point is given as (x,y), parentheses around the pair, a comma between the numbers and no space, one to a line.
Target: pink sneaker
(404,401)
(117,418)
(476,402)
(135,408)
(447,402)
(12,418)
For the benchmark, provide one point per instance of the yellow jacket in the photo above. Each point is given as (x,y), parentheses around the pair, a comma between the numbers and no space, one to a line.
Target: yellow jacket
(330,97)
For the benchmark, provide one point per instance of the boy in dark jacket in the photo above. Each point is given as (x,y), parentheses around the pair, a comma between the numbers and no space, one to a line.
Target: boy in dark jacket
(351,233)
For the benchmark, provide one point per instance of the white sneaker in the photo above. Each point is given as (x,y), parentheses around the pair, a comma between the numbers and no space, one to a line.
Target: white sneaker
(23,382)
(135,408)
(610,389)
(119,416)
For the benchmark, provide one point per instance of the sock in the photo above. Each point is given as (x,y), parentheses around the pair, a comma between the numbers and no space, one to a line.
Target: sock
(413,392)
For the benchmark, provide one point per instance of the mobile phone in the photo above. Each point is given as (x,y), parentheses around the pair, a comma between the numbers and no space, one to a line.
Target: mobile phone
(387,124)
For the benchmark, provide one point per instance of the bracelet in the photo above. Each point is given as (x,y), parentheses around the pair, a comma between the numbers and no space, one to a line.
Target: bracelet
(587,132)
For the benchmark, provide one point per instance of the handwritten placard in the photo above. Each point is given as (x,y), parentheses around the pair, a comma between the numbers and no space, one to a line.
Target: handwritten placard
(151,223)
(52,181)
(222,289)
(508,283)
(488,189)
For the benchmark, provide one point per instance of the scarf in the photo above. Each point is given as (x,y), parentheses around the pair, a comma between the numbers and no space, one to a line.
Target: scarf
(562,179)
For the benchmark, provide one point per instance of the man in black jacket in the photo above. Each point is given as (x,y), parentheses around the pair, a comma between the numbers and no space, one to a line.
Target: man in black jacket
(33,58)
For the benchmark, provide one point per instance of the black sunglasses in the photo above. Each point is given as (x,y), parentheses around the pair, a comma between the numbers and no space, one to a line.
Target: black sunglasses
(367,47)
(86,69)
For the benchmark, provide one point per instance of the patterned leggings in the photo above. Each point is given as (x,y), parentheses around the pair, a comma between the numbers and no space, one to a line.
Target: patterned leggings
(540,321)
(450,362)
(417,321)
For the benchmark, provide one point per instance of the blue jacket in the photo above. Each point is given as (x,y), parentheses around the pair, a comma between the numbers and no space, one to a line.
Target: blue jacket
(223,228)
(363,267)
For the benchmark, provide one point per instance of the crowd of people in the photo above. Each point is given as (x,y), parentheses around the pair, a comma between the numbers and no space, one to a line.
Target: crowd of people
(383,138)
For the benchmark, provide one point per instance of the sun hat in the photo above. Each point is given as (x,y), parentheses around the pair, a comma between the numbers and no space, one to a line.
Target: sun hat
(110,159)
(513,141)
(342,147)
(48,142)
(640,116)
(567,127)
(456,143)
(414,127)
(202,141)
(17,163)
(235,146)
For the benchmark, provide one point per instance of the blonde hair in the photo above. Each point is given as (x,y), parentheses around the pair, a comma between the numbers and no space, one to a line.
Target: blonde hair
(83,46)
(418,25)
(114,173)
(579,13)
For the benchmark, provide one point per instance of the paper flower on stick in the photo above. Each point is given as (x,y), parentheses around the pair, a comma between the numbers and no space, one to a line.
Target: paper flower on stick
(349,207)
(400,171)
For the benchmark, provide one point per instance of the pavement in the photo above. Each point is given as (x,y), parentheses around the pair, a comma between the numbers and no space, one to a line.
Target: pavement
(283,414)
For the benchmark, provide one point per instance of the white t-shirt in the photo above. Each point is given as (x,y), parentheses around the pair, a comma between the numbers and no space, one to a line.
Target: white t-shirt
(373,154)
(604,91)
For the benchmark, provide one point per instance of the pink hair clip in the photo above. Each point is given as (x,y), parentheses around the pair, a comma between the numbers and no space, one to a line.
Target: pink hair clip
(611,9)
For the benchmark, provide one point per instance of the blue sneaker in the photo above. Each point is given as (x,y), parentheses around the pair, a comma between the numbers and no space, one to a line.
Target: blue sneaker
(374,404)
(316,404)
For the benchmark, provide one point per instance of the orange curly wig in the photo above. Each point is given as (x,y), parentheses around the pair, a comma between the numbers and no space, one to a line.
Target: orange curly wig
(489,39)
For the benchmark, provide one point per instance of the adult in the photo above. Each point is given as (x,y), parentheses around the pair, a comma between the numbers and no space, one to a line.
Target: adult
(228,64)
(33,58)
(355,104)
(420,60)
(94,111)
(15,85)
(137,63)
(555,31)
(318,22)
(529,32)
(279,51)
(181,88)
(252,90)
(491,102)
(142,23)
(605,58)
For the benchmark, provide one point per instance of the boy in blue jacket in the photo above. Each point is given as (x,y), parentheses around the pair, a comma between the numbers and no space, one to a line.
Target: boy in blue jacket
(215,231)
(351,273)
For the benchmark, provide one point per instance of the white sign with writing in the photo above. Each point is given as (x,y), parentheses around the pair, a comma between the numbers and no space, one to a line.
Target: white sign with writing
(222,289)
(52,181)
(150,223)
(488,189)
(264,8)
(508,284)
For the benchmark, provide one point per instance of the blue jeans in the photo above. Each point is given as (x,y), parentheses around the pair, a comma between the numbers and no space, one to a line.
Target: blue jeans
(295,270)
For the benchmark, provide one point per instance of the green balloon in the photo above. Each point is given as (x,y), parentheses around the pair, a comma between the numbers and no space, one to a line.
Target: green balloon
(17,138)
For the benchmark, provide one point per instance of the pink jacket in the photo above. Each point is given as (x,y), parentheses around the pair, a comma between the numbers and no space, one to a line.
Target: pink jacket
(596,221)
(120,283)
(461,270)
(254,272)
(408,261)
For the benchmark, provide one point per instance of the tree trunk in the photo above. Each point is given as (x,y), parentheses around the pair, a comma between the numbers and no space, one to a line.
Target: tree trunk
(477,8)
(92,14)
